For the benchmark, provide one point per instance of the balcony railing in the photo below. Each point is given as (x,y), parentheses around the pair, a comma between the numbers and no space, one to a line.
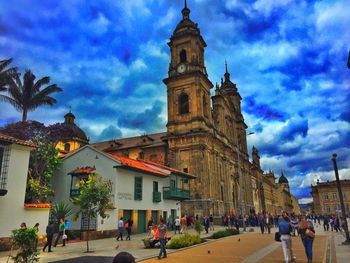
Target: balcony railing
(74,192)
(175,193)
(157,197)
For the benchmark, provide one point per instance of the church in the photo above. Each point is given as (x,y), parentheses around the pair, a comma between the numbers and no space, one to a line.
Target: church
(206,133)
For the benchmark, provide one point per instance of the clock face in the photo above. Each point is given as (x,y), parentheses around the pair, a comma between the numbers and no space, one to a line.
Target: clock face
(181,68)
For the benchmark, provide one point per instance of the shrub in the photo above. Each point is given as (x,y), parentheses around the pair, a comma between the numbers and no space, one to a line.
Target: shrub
(185,240)
(25,239)
(225,233)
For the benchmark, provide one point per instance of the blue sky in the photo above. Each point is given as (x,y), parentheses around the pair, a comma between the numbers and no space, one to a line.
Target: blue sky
(287,57)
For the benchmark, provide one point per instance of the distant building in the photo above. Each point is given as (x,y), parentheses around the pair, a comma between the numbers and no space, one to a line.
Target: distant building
(74,138)
(326,197)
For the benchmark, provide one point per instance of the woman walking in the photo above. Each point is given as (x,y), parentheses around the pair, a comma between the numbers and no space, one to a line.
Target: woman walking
(128,227)
(307,233)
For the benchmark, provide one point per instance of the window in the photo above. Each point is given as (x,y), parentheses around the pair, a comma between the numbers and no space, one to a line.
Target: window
(205,106)
(334,196)
(183,104)
(67,147)
(325,196)
(138,188)
(183,57)
(141,155)
(155,186)
(4,162)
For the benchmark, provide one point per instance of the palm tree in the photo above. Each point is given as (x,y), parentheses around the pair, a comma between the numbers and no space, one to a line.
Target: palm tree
(28,96)
(6,74)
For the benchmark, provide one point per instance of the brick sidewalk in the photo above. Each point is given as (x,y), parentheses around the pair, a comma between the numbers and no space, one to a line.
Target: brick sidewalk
(250,249)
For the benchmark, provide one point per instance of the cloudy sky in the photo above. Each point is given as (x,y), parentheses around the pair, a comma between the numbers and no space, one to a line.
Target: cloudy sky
(287,57)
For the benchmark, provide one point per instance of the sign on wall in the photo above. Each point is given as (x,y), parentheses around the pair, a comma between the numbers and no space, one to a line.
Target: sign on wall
(124,196)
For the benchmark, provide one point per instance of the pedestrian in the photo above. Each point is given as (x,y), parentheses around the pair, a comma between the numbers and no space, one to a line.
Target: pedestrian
(326,223)
(49,236)
(123,257)
(162,237)
(211,222)
(128,227)
(261,221)
(206,224)
(36,227)
(307,234)
(285,229)
(61,233)
(120,229)
(177,225)
(183,224)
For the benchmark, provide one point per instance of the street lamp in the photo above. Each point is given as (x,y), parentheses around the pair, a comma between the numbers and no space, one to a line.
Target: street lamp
(242,210)
(334,159)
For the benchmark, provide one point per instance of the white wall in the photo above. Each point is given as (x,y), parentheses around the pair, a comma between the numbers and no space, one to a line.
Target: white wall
(123,183)
(12,211)
(62,181)
(126,183)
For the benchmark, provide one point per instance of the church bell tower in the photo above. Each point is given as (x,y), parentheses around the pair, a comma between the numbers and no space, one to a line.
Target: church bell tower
(188,86)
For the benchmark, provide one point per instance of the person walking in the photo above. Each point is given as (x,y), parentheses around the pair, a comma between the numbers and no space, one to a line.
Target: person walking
(211,222)
(307,234)
(261,220)
(36,227)
(61,233)
(120,229)
(177,225)
(184,224)
(162,237)
(285,229)
(326,223)
(49,236)
(128,227)
(206,224)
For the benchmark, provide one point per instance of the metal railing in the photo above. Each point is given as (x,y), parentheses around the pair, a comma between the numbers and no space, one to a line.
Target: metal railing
(175,193)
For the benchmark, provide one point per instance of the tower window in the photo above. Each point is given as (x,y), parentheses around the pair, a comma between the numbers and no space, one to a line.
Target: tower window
(183,57)
(183,104)
(67,147)
(205,106)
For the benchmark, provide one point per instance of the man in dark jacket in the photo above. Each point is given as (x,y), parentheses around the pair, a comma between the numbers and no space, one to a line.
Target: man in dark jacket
(49,235)
(285,229)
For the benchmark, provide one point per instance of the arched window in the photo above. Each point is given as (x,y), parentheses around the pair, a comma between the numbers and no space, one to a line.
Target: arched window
(183,104)
(205,106)
(67,147)
(183,57)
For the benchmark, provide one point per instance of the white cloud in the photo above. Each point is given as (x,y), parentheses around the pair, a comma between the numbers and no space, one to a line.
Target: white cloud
(306,200)
(266,6)
(100,25)
(138,65)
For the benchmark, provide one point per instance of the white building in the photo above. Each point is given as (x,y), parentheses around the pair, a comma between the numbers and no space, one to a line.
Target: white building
(14,161)
(140,190)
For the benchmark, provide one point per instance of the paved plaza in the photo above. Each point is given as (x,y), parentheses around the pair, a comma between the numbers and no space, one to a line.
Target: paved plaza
(248,247)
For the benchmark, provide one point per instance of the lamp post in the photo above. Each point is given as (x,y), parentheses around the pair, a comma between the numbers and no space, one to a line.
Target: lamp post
(334,159)
(242,210)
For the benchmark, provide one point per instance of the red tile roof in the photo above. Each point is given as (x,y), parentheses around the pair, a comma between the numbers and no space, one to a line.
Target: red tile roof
(138,165)
(83,170)
(168,168)
(7,138)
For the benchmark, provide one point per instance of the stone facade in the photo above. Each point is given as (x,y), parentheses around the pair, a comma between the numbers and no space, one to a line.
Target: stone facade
(326,198)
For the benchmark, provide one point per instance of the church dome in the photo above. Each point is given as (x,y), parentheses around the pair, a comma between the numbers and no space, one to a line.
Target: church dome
(72,130)
(283,179)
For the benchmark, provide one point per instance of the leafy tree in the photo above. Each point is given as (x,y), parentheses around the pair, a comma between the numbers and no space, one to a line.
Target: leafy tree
(6,74)
(28,96)
(93,199)
(25,240)
(44,159)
